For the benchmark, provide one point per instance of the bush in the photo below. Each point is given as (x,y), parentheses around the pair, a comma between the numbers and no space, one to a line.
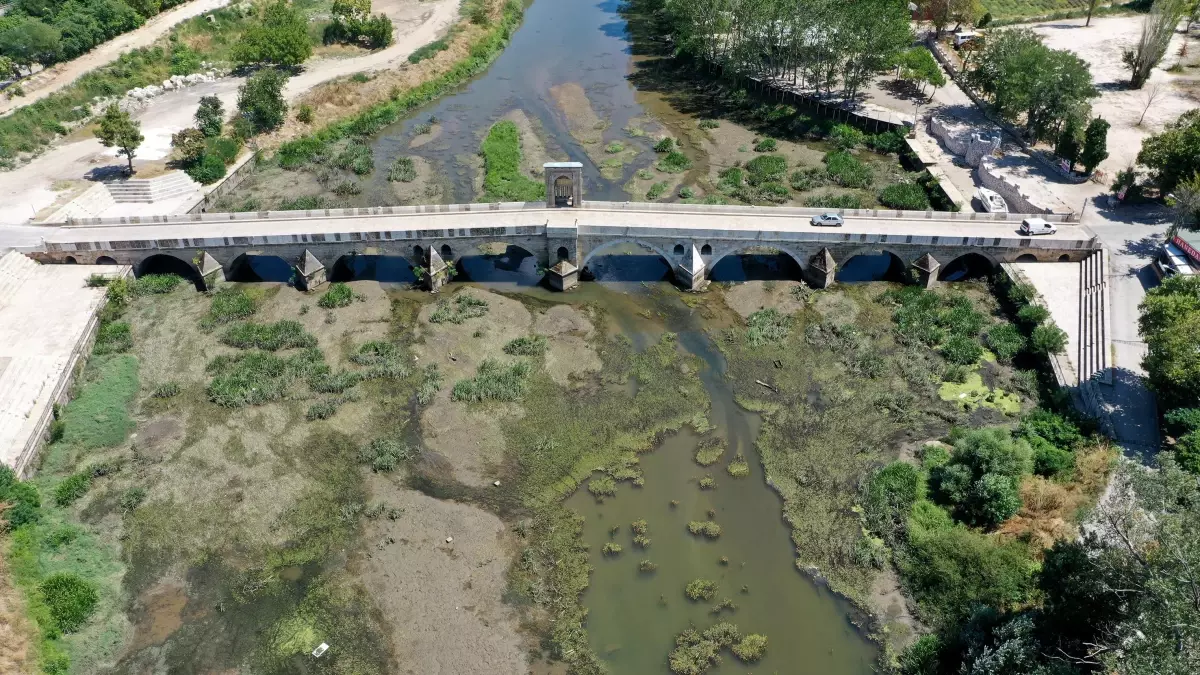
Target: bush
(70,600)
(613,148)
(1181,421)
(807,179)
(1050,461)
(888,142)
(1187,452)
(765,168)
(1033,315)
(846,170)
(305,114)
(1048,339)
(980,480)
(208,170)
(738,467)
(890,495)
(709,451)
(338,295)
(494,382)
(1006,340)
(261,102)
(833,202)
(385,454)
(1052,427)
(132,498)
(665,145)
(751,647)
(962,350)
(428,51)
(701,589)
(765,145)
(767,326)
(72,488)
(646,566)
(846,137)
(611,549)
(526,346)
(905,197)
(602,486)
(404,170)
(269,336)
(674,162)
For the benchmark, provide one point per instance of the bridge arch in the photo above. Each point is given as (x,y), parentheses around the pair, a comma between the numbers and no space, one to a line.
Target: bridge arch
(967,266)
(388,269)
(165,263)
(497,260)
(260,267)
(871,263)
(639,242)
(714,260)
(106,260)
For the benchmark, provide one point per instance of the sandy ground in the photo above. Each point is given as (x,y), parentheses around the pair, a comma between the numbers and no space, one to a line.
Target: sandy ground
(443,599)
(748,297)
(29,189)
(58,76)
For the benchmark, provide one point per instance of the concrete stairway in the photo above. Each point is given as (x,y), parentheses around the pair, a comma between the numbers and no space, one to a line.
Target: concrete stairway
(15,269)
(1093,319)
(91,204)
(150,190)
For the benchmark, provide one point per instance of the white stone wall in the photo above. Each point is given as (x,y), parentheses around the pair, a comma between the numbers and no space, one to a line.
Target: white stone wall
(993,179)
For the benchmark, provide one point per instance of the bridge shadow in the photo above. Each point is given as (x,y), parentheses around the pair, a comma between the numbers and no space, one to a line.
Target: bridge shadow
(514,266)
(873,267)
(255,268)
(626,267)
(385,269)
(756,267)
(169,264)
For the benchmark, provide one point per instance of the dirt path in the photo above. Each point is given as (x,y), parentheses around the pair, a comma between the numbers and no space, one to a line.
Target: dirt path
(28,189)
(60,75)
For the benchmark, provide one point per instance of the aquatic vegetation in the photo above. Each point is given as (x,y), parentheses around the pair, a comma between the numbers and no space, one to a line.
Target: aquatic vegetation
(709,451)
(674,162)
(639,526)
(494,381)
(503,180)
(647,566)
(385,454)
(665,145)
(738,467)
(724,605)
(464,306)
(656,190)
(641,541)
(614,147)
(611,549)
(431,384)
(403,170)
(602,486)
(751,647)
(701,589)
(269,336)
(707,528)
(707,482)
(696,652)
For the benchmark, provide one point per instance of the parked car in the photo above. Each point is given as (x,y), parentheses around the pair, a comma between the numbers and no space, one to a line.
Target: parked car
(1171,261)
(991,200)
(1032,226)
(828,220)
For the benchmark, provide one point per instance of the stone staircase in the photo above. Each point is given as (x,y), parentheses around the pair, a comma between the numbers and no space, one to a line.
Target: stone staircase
(151,190)
(15,269)
(92,203)
(1094,334)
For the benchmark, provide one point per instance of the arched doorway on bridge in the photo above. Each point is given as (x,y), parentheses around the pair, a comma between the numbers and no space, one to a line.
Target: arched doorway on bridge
(256,268)
(1064,258)
(162,263)
(873,266)
(105,260)
(1027,257)
(386,269)
(564,191)
(70,260)
(626,260)
(562,253)
(965,267)
(498,262)
(755,263)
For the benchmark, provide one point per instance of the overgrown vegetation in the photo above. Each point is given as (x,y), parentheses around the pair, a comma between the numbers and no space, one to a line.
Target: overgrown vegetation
(494,381)
(503,180)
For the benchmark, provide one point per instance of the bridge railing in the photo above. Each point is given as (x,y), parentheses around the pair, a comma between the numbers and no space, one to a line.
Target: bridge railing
(531,207)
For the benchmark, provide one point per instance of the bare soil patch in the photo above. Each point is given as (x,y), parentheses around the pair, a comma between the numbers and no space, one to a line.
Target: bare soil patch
(161,610)
(428,187)
(749,297)
(443,598)
(533,150)
(569,353)
(585,125)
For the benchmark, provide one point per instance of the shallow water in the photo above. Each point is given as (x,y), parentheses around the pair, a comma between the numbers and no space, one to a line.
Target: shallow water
(634,616)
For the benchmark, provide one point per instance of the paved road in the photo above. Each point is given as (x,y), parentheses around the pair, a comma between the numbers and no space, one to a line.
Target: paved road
(60,75)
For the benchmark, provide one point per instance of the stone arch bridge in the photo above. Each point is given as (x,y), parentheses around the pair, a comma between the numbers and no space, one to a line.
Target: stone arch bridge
(692,238)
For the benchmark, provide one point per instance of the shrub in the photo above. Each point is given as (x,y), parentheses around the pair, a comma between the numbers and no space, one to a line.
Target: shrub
(404,170)
(846,137)
(765,168)
(1048,339)
(494,382)
(465,306)
(807,179)
(305,114)
(70,600)
(261,102)
(674,162)
(338,295)
(905,197)
(269,336)
(687,193)
(1033,315)
(765,145)
(208,170)
(611,549)
(228,304)
(1181,421)
(846,170)
(166,390)
(223,148)
(707,528)
(656,190)
(1051,461)
(730,179)
(890,495)
(833,202)
(1050,426)
(321,410)
(767,326)
(701,589)
(887,142)
(980,481)
(526,346)
(665,145)
(751,647)
(1006,341)
(707,482)
(1187,452)
(962,350)
(184,60)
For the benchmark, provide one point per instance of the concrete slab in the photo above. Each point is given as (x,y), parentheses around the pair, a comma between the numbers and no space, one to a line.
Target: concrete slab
(1058,284)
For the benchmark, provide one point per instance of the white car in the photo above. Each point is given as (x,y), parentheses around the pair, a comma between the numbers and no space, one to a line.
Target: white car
(1032,226)
(828,220)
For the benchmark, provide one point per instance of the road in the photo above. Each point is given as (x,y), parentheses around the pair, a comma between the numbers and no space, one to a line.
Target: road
(60,75)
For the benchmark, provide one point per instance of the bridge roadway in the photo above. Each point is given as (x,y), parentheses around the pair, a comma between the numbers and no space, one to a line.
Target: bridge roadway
(691,237)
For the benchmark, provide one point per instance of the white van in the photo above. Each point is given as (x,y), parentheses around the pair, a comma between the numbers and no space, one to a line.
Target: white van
(1171,261)
(964,36)
(1032,226)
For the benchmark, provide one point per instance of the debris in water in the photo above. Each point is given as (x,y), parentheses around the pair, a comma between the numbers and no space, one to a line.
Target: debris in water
(321,649)
(768,386)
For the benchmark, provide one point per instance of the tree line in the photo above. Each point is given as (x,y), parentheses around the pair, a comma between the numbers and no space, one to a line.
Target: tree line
(46,32)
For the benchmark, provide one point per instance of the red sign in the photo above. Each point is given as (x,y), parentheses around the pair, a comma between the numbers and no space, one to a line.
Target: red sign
(1187,248)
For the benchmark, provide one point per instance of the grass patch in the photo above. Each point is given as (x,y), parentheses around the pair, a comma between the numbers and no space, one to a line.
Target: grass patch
(228,304)
(464,306)
(99,416)
(114,337)
(709,451)
(403,170)
(254,378)
(656,190)
(503,180)
(338,295)
(428,51)
(674,162)
(494,381)
(534,345)
(431,384)
(847,170)
(356,157)
(269,337)
(614,147)
(156,284)
(767,326)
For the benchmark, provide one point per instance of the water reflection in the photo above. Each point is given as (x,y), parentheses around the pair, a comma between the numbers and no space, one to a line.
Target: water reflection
(755,267)
(252,268)
(514,266)
(388,269)
(872,267)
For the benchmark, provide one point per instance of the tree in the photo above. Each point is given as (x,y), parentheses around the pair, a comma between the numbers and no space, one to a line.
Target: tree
(279,39)
(8,68)
(119,130)
(87,23)
(1095,144)
(1067,146)
(260,100)
(981,480)
(29,41)
(1157,29)
(1174,154)
(1185,205)
(1169,323)
(210,116)
(1091,8)
(189,143)
(1048,339)
(918,64)
(1024,78)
